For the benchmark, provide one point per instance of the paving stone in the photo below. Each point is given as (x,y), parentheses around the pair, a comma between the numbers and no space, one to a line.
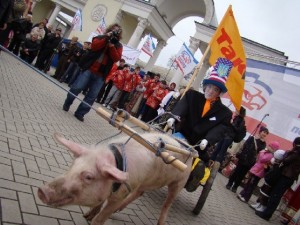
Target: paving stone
(6,172)
(27,203)
(6,193)
(19,168)
(10,211)
(38,220)
(54,212)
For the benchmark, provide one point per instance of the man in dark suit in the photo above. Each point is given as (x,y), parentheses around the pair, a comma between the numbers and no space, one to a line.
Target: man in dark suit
(202,121)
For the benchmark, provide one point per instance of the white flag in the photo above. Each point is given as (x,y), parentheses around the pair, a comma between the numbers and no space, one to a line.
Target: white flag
(148,46)
(185,60)
(130,54)
(77,21)
(102,27)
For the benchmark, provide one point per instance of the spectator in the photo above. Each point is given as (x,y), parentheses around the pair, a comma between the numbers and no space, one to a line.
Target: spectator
(246,158)
(115,92)
(40,31)
(222,146)
(289,172)
(108,82)
(46,53)
(30,48)
(65,52)
(153,101)
(130,83)
(258,170)
(105,50)
(149,85)
(20,27)
(5,10)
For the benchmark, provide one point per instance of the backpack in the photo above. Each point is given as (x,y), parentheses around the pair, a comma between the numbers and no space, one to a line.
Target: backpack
(240,133)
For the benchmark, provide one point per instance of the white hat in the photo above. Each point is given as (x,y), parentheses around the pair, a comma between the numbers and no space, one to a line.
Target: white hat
(278,154)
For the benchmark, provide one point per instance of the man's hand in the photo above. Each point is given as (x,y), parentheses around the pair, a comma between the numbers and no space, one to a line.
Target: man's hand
(203,144)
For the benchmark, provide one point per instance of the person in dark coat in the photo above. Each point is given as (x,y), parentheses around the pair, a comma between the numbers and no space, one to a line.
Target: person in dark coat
(203,121)
(289,172)
(6,7)
(48,49)
(21,27)
(247,158)
(30,48)
(222,146)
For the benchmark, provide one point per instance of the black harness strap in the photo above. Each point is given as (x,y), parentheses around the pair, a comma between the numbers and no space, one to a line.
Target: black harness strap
(119,161)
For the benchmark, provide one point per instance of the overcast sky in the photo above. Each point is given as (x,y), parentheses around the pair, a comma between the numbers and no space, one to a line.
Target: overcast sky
(274,23)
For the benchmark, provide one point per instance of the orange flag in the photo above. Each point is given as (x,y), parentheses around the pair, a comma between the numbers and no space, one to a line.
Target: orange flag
(227,43)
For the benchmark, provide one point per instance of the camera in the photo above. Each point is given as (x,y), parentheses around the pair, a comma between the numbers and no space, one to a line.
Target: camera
(114,38)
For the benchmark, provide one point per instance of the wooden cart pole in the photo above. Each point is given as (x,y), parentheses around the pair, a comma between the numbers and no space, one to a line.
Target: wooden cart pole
(123,115)
(130,132)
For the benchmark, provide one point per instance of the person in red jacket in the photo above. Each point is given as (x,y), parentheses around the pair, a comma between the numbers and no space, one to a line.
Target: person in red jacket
(108,82)
(153,101)
(131,81)
(95,66)
(115,92)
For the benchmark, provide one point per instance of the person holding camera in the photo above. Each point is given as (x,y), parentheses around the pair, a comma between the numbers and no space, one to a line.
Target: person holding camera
(105,51)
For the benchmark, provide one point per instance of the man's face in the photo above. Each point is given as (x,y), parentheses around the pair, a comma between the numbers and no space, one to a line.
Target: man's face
(156,77)
(34,37)
(211,92)
(74,40)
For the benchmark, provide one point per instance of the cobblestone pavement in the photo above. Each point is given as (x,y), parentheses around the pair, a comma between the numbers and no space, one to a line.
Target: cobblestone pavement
(30,112)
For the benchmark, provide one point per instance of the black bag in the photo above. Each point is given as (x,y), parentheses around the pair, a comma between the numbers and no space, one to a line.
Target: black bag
(240,133)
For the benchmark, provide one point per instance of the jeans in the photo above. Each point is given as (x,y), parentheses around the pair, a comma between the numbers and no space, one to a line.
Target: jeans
(95,83)
(72,68)
(221,149)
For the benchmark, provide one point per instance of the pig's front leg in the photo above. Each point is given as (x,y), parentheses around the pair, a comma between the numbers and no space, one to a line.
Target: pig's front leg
(93,212)
(113,206)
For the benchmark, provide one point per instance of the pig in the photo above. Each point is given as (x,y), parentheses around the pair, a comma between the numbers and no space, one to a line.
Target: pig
(90,180)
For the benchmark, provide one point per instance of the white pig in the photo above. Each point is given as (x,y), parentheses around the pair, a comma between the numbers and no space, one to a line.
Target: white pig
(90,179)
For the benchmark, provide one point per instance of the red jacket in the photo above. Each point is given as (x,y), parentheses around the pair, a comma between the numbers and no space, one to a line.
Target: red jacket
(131,81)
(111,73)
(119,78)
(150,85)
(112,54)
(156,97)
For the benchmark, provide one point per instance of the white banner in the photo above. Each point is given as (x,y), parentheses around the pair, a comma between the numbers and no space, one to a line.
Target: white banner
(130,54)
(272,96)
(185,60)
(148,46)
(77,21)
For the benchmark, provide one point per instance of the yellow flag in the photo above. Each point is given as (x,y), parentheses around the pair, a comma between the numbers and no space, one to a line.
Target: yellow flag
(227,43)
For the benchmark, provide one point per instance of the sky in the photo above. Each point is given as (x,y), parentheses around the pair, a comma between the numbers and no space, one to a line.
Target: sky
(274,23)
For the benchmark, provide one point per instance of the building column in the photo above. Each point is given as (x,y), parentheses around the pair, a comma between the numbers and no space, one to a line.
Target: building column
(119,17)
(178,76)
(160,45)
(54,14)
(137,34)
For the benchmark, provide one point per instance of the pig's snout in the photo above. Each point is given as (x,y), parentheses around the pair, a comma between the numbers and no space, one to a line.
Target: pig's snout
(44,194)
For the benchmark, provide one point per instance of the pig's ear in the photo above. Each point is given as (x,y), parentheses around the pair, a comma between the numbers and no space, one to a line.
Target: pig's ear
(112,172)
(75,148)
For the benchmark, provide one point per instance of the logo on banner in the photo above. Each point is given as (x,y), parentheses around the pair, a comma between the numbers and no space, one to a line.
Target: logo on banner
(256,92)
(184,59)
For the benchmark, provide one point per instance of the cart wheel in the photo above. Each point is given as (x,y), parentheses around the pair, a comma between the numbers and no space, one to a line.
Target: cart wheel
(206,188)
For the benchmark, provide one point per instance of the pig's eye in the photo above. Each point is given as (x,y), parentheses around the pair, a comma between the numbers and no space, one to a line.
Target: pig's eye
(87,177)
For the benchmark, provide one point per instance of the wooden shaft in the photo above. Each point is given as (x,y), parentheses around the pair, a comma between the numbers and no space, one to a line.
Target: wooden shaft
(130,132)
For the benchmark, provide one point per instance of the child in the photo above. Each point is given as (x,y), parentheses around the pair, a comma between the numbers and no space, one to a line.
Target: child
(265,190)
(258,170)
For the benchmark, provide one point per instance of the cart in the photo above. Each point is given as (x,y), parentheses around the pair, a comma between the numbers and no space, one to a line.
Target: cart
(118,119)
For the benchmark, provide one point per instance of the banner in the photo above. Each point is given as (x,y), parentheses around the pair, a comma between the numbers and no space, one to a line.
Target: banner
(227,43)
(77,21)
(185,60)
(148,46)
(102,27)
(130,54)
(271,95)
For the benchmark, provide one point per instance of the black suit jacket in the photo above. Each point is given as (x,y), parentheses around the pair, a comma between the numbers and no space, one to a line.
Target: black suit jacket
(212,126)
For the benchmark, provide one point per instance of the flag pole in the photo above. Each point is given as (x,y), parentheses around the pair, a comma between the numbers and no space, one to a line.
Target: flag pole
(198,67)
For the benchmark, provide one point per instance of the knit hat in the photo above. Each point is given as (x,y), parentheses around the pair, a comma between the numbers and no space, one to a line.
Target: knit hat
(279,154)
(219,74)
(274,145)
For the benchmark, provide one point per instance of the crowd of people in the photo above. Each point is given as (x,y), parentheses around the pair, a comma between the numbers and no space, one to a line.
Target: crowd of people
(97,70)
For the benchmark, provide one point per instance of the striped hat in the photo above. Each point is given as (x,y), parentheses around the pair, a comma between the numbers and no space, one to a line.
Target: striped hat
(219,74)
